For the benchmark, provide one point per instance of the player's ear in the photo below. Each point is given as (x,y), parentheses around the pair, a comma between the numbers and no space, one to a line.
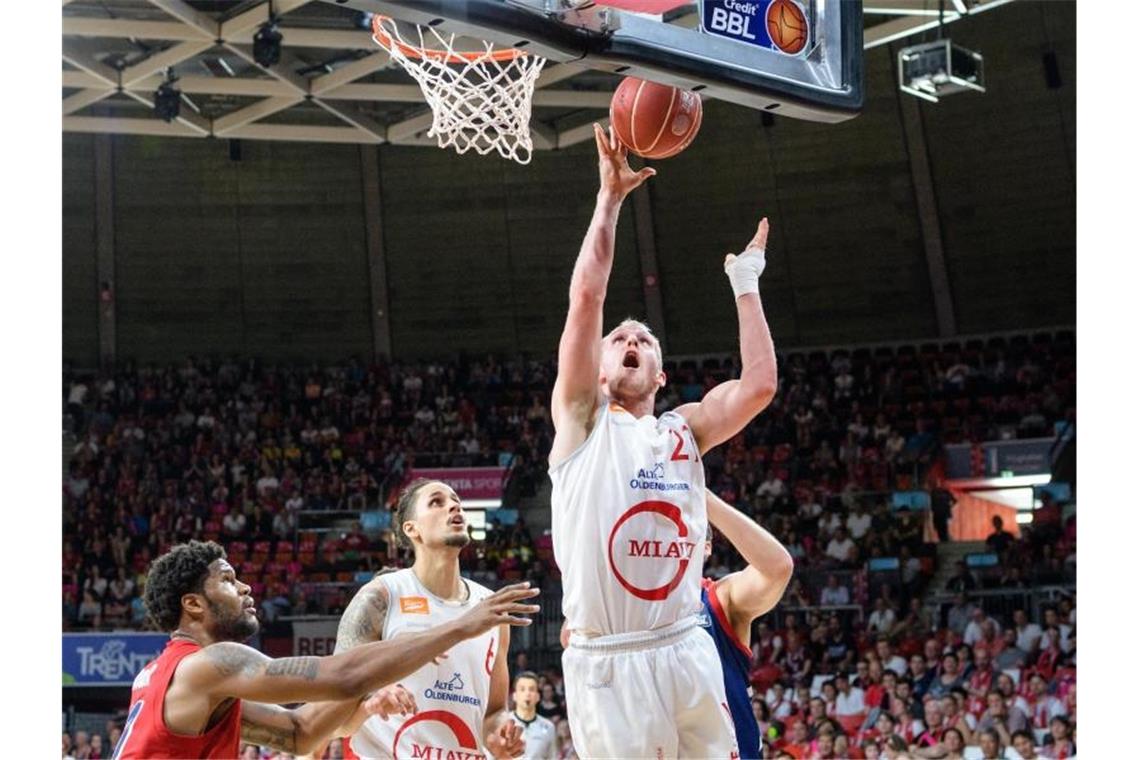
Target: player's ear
(411,530)
(194,605)
(661,379)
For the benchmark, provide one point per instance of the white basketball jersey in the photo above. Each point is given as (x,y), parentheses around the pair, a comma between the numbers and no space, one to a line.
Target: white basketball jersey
(629,524)
(540,737)
(451,696)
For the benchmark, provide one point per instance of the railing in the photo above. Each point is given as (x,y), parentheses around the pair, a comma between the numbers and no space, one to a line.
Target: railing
(1002,602)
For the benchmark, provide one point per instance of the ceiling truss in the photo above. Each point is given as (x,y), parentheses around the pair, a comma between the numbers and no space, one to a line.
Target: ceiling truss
(328,76)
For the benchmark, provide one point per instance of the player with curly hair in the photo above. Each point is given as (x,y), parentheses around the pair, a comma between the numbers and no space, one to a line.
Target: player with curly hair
(207,691)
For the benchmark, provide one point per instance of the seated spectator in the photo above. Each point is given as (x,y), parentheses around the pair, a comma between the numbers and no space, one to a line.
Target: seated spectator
(1051,653)
(1000,718)
(956,717)
(1065,629)
(841,548)
(90,612)
(886,653)
(859,521)
(960,614)
(849,699)
(1023,744)
(963,580)
(990,742)
(234,523)
(1010,657)
(840,650)
(1007,688)
(833,593)
(1043,705)
(1062,746)
(975,629)
(982,675)
(947,680)
(882,619)
(1028,633)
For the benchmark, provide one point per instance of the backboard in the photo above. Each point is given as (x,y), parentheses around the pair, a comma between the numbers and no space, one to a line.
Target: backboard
(725,49)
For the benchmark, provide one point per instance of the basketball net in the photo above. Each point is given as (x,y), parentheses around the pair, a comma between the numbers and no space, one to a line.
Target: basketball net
(479,100)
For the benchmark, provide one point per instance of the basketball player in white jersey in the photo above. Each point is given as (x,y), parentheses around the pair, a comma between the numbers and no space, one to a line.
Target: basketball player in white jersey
(538,732)
(461,699)
(629,516)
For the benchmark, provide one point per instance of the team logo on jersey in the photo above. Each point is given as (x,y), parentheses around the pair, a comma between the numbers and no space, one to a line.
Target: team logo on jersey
(414,605)
(704,621)
(653,479)
(451,691)
(628,547)
(415,745)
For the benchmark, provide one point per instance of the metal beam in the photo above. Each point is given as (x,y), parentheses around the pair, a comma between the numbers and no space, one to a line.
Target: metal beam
(105,247)
(78,56)
(928,219)
(904,26)
(349,73)
(83,80)
(159,62)
(127,28)
(542,136)
(301,133)
(117,126)
(355,117)
(341,39)
(249,114)
(182,11)
(257,16)
(84,98)
(580,134)
(377,260)
(207,85)
(279,71)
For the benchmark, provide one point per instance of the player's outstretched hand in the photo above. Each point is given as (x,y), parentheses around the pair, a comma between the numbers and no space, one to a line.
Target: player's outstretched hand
(506,741)
(744,270)
(613,165)
(391,700)
(504,606)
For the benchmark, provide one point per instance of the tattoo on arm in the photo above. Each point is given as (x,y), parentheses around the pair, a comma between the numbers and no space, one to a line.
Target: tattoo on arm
(264,735)
(363,620)
(298,667)
(230,659)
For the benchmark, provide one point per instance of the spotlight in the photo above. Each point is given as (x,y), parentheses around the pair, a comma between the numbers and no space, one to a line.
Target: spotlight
(168,98)
(267,44)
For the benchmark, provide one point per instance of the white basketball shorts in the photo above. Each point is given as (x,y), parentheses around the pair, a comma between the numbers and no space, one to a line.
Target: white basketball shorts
(653,694)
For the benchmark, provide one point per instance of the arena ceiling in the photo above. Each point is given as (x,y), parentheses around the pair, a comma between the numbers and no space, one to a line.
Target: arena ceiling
(332,83)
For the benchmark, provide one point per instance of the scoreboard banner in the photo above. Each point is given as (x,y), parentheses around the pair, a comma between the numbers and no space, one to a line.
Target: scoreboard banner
(108,659)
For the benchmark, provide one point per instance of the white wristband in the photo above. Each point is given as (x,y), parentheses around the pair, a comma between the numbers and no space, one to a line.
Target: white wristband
(744,271)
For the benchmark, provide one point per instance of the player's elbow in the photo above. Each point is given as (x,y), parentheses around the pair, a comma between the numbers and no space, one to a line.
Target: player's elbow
(783,568)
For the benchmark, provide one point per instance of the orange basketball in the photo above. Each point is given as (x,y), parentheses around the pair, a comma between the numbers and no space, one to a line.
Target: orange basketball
(787,26)
(654,120)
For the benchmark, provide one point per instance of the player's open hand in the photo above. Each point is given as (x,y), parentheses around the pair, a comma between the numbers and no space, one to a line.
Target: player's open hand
(506,741)
(391,700)
(505,606)
(613,165)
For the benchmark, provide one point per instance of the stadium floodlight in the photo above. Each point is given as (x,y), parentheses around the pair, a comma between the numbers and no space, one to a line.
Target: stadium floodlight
(931,70)
(267,44)
(168,98)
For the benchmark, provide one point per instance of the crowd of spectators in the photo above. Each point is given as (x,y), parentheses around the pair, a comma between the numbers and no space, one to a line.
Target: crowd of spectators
(1006,687)
(237,450)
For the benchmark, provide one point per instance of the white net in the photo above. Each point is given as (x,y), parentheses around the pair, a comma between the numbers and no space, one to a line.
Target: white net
(479,100)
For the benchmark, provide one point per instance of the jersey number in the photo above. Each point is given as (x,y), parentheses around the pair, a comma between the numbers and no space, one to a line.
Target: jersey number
(678,454)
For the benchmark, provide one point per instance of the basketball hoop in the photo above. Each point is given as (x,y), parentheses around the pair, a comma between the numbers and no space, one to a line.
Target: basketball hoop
(479,99)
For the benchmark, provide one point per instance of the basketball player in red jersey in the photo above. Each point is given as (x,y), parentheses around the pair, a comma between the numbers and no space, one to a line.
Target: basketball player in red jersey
(628,505)
(207,691)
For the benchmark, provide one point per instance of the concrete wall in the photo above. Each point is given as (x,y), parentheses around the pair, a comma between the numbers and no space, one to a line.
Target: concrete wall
(267,256)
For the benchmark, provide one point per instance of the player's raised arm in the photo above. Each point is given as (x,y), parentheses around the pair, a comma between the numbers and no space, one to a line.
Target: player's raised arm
(749,593)
(579,350)
(229,669)
(728,407)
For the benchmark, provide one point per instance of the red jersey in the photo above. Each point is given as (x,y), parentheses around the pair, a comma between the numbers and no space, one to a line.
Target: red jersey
(145,734)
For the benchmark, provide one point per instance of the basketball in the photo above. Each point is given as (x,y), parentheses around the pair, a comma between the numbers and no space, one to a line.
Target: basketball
(654,120)
(787,26)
